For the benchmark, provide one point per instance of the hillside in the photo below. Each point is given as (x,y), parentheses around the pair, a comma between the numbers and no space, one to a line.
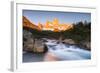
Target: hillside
(29,24)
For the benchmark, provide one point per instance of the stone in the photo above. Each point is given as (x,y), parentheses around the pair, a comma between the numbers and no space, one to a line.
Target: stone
(39,45)
(28,41)
(68,41)
(87,45)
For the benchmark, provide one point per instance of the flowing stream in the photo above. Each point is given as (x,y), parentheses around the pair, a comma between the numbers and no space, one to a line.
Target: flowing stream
(67,52)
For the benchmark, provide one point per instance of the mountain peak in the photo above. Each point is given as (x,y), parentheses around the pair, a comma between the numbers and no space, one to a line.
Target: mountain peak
(56,26)
(52,26)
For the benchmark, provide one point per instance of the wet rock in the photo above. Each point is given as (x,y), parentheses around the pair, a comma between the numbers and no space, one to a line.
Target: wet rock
(68,41)
(87,45)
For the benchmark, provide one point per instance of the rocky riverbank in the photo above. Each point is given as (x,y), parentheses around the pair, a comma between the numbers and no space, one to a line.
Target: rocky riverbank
(34,44)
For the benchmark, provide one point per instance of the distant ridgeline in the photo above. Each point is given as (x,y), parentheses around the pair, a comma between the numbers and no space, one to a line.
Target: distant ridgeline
(79,32)
(48,26)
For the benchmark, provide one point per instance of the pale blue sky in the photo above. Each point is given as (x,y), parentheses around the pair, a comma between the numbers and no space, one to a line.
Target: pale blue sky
(63,17)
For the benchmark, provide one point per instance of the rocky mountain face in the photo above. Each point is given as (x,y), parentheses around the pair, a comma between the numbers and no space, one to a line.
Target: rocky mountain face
(52,26)
(29,24)
(56,26)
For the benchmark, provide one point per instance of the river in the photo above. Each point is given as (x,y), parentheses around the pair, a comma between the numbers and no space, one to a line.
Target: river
(67,52)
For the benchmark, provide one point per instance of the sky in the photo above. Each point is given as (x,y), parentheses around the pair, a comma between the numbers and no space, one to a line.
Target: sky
(64,17)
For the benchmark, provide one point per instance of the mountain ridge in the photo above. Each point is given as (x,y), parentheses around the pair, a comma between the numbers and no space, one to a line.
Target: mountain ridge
(52,26)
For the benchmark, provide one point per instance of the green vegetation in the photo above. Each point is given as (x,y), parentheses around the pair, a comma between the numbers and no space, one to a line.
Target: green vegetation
(80,32)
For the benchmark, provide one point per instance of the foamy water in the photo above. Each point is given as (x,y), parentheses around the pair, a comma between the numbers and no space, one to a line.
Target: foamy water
(67,52)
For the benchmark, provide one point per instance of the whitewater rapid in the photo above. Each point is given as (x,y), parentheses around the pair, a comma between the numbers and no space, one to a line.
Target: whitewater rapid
(67,52)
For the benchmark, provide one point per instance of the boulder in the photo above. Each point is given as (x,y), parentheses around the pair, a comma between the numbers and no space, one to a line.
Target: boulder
(39,45)
(68,41)
(87,45)
(28,41)
(32,44)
